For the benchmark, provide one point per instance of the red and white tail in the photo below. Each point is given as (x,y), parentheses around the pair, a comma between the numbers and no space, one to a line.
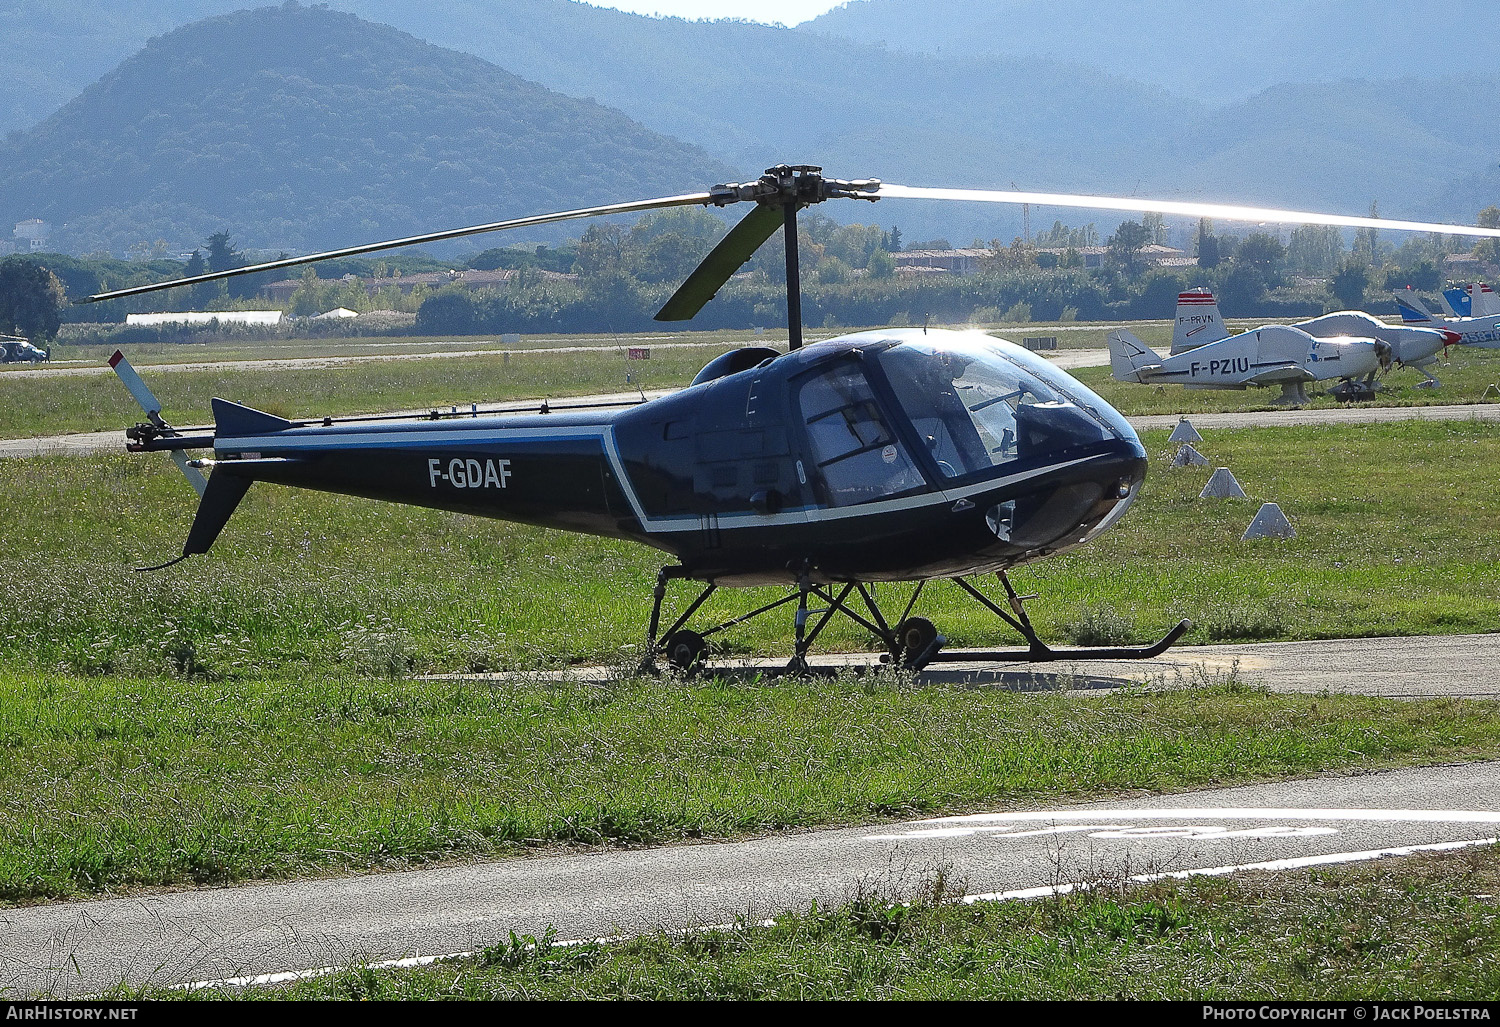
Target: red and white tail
(1198,321)
(1482,300)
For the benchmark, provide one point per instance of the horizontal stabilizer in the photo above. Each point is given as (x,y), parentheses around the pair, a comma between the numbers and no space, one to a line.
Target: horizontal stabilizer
(1413,310)
(231,420)
(1130,359)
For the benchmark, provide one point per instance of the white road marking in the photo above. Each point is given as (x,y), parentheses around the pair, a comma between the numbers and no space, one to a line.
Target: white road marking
(995,823)
(1295,863)
(1020,894)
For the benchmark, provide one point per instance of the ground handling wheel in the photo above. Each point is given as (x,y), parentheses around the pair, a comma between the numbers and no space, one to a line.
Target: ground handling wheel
(685,650)
(919,641)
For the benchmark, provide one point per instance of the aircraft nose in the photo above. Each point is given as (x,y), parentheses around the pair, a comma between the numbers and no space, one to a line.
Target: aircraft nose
(1451,338)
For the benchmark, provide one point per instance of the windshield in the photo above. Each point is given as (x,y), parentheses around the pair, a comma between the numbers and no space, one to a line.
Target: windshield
(976,406)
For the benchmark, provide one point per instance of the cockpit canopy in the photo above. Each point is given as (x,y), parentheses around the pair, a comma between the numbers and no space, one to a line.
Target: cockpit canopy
(974,403)
(860,419)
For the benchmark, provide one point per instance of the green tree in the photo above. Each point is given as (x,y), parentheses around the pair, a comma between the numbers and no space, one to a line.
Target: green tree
(601,251)
(31,300)
(446,313)
(1208,244)
(1315,249)
(1349,283)
(1489,249)
(1156,227)
(1265,254)
(1125,245)
(882,266)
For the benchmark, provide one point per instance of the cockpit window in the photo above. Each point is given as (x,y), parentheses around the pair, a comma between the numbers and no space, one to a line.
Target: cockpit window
(856,454)
(976,410)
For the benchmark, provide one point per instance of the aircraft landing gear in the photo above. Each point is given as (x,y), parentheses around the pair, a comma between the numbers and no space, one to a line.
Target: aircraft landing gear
(912,644)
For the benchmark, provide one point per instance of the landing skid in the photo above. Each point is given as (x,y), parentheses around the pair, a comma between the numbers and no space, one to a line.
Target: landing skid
(912,643)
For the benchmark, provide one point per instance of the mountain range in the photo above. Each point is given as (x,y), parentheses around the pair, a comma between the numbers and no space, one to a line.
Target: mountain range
(1062,95)
(296,127)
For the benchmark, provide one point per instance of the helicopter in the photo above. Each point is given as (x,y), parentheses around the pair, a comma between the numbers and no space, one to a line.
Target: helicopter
(896,455)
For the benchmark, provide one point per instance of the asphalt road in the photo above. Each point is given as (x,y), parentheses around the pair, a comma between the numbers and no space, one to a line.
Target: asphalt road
(214,934)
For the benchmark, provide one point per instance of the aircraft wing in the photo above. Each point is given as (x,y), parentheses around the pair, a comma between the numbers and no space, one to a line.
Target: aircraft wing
(1280,374)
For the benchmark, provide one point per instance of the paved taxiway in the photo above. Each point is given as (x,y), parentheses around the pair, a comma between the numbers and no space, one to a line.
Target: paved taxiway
(213,934)
(1423,667)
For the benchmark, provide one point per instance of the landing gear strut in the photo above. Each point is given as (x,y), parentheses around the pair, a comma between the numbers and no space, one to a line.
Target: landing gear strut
(912,644)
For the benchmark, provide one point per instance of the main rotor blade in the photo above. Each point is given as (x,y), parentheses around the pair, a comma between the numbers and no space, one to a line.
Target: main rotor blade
(685,200)
(738,246)
(1226,212)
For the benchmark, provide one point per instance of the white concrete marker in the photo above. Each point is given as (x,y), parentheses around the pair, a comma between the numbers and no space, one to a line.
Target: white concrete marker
(1187,456)
(1269,522)
(1222,486)
(1184,432)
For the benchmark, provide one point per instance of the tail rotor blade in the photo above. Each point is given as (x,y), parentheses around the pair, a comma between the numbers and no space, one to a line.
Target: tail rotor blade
(152,406)
(138,388)
(720,265)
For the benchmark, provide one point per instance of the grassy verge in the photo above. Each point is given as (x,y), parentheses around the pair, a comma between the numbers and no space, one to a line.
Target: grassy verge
(1396,536)
(1072,335)
(32,407)
(114,783)
(1424,928)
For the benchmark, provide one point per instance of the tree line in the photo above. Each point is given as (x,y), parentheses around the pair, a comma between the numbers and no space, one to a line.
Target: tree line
(617,277)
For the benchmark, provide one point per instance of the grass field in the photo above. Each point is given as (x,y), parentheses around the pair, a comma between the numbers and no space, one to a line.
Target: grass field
(1425,929)
(112,783)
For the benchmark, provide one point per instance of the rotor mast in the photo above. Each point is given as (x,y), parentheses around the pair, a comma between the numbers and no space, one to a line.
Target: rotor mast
(789,187)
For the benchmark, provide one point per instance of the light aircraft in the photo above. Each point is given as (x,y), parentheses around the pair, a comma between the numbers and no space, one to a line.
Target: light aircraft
(14,349)
(1198,322)
(885,456)
(1474,300)
(1205,355)
(1480,329)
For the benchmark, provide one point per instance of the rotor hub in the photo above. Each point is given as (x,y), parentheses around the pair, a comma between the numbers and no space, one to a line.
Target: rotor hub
(801,184)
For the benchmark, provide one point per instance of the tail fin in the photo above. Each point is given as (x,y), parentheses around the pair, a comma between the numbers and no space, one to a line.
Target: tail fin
(1455,302)
(1413,310)
(1198,321)
(1482,300)
(1129,356)
(230,481)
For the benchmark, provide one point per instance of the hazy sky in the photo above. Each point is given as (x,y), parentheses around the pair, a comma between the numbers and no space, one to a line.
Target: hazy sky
(788,12)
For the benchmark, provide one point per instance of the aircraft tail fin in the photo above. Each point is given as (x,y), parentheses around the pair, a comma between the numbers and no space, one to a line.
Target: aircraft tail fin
(1482,300)
(1198,321)
(1455,302)
(1129,356)
(1413,310)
